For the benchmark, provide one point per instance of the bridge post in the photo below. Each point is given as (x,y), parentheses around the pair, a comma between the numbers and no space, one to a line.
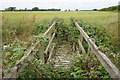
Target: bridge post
(41,53)
(89,49)
(81,37)
(81,48)
(74,46)
(49,35)
(15,73)
(50,54)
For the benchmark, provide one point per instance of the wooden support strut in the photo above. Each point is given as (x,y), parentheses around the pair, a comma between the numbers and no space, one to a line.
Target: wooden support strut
(80,44)
(41,53)
(50,55)
(89,49)
(108,65)
(81,47)
(48,46)
(74,46)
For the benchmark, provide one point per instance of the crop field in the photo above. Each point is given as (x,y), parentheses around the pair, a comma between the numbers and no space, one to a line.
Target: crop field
(28,20)
(20,28)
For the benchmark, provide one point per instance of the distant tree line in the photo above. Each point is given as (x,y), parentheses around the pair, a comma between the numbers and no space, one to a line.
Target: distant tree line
(113,8)
(81,10)
(37,9)
(33,9)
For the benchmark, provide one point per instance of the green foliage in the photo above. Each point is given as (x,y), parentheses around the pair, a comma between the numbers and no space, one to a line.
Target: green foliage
(14,52)
(40,29)
(102,40)
(81,66)
(89,67)
(113,8)
(35,9)
(66,32)
(76,10)
(10,9)
(98,33)
(29,21)
(42,71)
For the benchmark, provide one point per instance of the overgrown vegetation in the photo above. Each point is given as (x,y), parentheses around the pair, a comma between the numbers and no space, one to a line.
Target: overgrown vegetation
(22,25)
(80,68)
(22,29)
(14,52)
(66,31)
(83,66)
(102,41)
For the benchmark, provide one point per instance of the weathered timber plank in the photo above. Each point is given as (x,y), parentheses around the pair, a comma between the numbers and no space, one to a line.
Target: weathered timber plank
(49,43)
(50,55)
(89,49)
(22,67)
(80,39)
(49,34)
(74,46)
(10,74)
(41,53)
(81,46)
(108,65)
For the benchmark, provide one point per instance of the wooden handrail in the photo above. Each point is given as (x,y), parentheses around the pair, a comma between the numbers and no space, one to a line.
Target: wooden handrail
(28,53)
(106,62)
(50,28)
(22,59)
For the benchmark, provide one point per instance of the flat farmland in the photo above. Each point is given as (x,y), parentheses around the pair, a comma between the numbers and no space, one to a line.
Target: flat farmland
(62,30)
(21,24)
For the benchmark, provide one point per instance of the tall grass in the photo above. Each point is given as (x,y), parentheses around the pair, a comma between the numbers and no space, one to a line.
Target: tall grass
(21,24)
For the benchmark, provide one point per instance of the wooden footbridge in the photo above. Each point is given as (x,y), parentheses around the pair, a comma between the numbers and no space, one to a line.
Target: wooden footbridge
(106,62)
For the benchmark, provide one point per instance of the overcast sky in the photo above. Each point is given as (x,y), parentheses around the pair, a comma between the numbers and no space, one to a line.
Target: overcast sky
(61,4)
